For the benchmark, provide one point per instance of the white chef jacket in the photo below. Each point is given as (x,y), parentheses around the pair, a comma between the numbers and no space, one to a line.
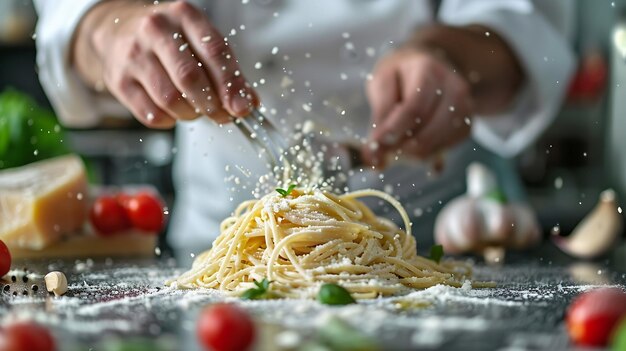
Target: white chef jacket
(318,54)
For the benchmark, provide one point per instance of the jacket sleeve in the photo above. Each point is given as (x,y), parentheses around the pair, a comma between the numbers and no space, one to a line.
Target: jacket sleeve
(75,104)
(537,34)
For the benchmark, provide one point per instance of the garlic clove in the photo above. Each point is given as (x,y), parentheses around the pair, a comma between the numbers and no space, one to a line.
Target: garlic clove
(497,221)
(494,255)
(459,225)
(56,283)
(597,232)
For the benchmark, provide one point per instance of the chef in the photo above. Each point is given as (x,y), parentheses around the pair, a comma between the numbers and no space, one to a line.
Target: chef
(470,79)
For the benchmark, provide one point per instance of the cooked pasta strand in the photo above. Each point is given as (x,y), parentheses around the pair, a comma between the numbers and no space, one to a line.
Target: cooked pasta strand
(312,237)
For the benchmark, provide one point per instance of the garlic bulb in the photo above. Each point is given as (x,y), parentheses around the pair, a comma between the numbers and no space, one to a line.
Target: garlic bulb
(481,218)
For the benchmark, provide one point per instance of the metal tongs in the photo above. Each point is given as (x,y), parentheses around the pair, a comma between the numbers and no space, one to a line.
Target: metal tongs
(265,138)
(338,158)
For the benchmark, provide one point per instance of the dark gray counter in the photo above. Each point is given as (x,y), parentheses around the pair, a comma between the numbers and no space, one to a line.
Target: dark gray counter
(126,299)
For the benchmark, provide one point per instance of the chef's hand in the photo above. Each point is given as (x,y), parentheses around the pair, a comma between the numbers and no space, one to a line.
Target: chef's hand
(420,106)
(164,62)
(423,95)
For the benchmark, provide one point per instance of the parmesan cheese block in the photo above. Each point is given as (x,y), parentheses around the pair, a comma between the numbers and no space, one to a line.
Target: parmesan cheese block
(42,201)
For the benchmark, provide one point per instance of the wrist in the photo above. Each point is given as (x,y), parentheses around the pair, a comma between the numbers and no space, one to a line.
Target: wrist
(430,41)
(481,57)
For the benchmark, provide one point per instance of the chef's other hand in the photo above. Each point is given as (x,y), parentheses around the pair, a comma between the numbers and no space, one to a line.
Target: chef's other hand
(423,95)
(420,106)
(164,62)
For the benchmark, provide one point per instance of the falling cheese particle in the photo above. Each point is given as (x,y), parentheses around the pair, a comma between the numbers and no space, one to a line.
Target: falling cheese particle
(42,201)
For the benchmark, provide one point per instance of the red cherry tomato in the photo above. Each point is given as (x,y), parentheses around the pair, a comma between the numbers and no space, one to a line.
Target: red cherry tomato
(25,336)
(225,327)
(108,216)
(593,315)
(122,199)
(5,259)
(145,212)
(590,80)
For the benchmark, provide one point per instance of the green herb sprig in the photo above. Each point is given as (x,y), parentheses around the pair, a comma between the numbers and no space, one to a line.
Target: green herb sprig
(261,292)
(333,294)
(286,192)
(436,253)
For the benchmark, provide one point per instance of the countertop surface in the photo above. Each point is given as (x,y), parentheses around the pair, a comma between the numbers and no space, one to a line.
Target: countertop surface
(113,300)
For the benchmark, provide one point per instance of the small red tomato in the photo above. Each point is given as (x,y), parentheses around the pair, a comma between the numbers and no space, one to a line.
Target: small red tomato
(122,199)
(590,79)
(593,315)
(108,216)
(224,327)
(145,212)
(5,259)
(25,336)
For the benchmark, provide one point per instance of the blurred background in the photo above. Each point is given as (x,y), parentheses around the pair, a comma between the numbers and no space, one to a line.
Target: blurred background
(577,158)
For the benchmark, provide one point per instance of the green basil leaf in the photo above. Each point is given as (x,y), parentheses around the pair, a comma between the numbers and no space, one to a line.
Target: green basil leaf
(252,294)
(260,292)
(333,294)
(436,253)
(284,192)
(134,344)
(338,335)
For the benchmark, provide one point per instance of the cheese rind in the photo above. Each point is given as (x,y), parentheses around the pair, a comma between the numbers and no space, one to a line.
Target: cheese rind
(42,201)
(125,244)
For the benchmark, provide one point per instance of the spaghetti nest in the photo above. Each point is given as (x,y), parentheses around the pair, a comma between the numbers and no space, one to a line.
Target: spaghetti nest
(310,237)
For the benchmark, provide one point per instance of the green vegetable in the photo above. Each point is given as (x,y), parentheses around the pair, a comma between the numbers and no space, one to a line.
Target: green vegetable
(137,344)
(497,196)
(618,337)
(284,192)
(333,294)
(313,346)
(28,133)
(436,253)
(338,335)
(261,292)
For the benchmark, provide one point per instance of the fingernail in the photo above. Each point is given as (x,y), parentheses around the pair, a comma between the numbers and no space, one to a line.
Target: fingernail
(241,105)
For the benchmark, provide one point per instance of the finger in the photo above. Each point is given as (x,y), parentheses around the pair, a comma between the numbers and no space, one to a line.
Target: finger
(383,92)
(182,68)
(213,51)
(446,128)
(137,100)
(403,123)
(149,72)
(407,118)
(157,83)
(418,99)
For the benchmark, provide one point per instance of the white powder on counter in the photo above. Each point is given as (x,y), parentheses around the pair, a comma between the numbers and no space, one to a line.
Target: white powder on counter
(134,300)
